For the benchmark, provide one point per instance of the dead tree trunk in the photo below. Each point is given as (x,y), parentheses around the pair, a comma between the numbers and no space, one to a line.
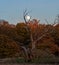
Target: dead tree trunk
(33,42)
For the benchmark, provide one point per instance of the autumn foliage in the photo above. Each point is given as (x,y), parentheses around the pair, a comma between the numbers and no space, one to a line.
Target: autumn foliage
(13,36)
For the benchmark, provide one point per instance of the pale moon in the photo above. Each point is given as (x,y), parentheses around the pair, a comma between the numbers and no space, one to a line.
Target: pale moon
(28,17)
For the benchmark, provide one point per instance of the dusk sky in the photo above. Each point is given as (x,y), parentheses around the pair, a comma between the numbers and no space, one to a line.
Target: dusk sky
(12,10)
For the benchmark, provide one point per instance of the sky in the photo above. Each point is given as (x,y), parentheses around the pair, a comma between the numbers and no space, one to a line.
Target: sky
(12,10)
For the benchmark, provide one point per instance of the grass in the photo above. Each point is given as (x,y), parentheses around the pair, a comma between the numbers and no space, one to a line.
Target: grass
(37,60)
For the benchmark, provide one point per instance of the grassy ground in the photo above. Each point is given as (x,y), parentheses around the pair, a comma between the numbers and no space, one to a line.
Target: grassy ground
(35,61)
(27,64)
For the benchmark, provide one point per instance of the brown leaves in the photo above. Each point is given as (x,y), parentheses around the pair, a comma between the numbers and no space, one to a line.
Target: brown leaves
(44,37)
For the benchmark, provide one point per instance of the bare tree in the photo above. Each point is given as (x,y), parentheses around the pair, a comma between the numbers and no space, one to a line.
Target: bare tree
(28,52)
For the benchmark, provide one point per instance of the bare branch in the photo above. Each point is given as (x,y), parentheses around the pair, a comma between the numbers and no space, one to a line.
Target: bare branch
(44,34)
(46,21)
(25,13)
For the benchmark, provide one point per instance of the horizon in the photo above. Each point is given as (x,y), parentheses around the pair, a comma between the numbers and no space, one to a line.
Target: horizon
(12,10)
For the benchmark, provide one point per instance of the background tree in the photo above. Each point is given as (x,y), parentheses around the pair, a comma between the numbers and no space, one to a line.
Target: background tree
(8,48)
(23,34)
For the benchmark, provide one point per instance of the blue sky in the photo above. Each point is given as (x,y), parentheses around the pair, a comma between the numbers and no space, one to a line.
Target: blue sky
(12,10)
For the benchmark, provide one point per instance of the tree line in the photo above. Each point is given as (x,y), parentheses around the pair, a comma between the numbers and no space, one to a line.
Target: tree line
(45,37)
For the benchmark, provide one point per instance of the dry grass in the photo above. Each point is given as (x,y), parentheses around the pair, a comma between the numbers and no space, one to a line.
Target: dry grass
(28,64)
